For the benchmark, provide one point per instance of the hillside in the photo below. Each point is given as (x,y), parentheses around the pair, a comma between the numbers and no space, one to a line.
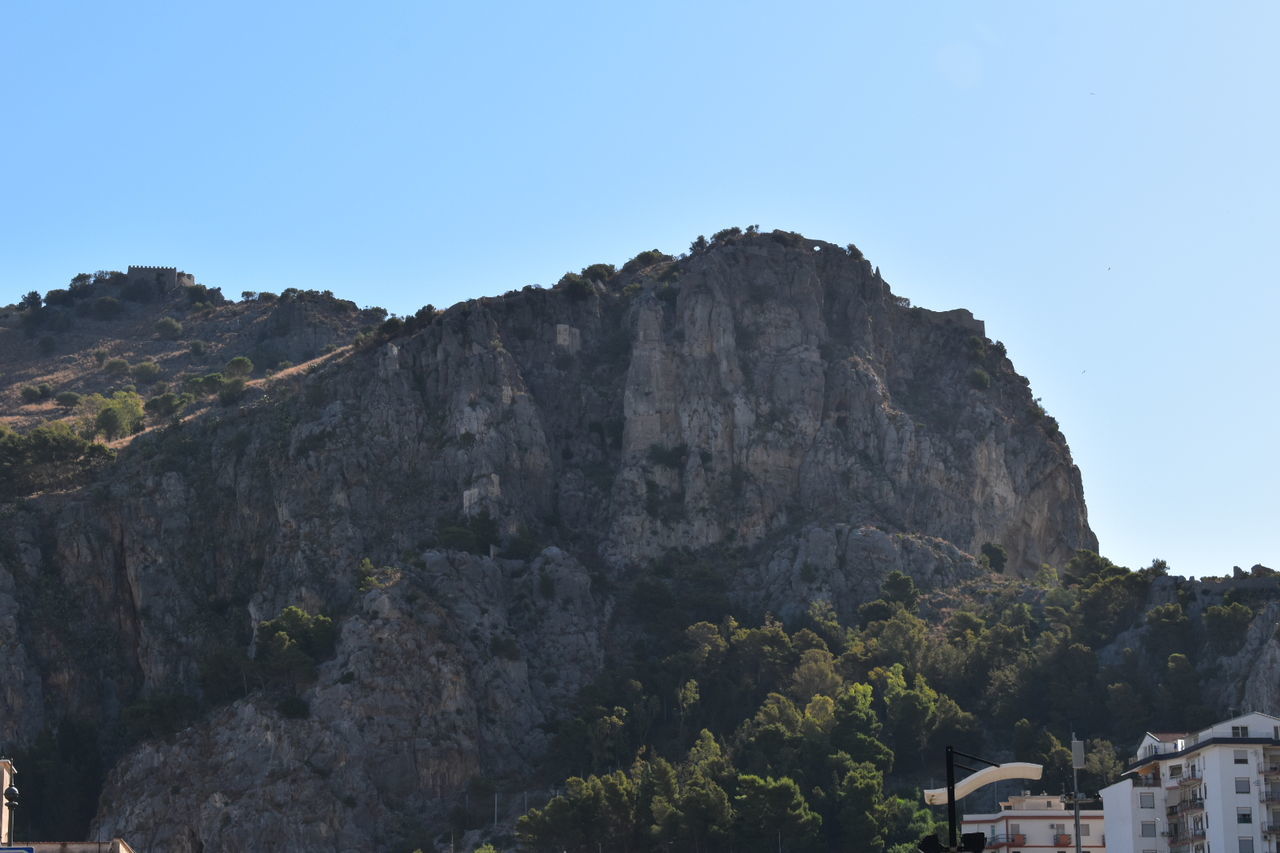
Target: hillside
(484,514)
(70,339)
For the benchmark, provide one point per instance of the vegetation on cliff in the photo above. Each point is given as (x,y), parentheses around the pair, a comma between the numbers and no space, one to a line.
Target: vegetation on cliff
(842,724)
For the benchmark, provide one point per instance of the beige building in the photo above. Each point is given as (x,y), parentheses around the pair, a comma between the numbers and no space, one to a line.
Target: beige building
(7,774)
(1040,822)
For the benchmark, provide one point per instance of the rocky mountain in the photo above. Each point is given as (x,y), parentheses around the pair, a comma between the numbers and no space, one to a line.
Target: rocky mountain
(484,500)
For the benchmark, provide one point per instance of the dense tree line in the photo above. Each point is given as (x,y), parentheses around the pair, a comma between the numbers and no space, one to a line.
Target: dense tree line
(823,733)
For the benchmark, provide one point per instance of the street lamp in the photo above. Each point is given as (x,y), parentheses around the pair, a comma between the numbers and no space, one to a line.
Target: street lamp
(978,779)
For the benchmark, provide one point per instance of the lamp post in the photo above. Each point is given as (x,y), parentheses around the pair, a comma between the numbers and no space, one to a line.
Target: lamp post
(977,779)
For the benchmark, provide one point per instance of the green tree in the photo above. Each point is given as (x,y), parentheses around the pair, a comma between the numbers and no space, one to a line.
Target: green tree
(1181,704)
(861,800)
(1102,765)
(965,624)
(290,646)
(115,416)
(240,366)
(856,728)
(900,589)
(107,307)
(686,697)
(1087,567)
(905,822)
(910,710)
(145,372)
(772,810)
(1126,707)
(700,814)
(168,328)
(598,810)
(1227,626)
(1168,631)
(167,405)
(815,674)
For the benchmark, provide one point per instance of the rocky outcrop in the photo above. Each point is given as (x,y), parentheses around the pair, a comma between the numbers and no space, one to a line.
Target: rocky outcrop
(766,402)
(453,669)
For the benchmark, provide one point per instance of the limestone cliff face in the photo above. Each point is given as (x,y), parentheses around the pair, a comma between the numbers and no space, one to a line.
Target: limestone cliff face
(767,400)
(414,705)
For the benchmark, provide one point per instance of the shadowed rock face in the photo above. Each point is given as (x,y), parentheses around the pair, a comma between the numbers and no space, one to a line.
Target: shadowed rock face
(766,403)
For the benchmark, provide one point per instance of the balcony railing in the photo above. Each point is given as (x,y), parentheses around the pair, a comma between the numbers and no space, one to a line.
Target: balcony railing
(1146,781)
(1016,839)
(1270,829)
(1269,768)
(1269,795)
(1192,778)
(1192,805)
(1151,753)
(1062,839)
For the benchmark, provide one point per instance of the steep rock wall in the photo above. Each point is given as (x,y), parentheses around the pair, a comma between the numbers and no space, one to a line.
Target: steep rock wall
(767,402)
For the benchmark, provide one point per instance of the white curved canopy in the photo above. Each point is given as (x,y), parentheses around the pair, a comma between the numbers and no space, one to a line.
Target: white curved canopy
(985,776)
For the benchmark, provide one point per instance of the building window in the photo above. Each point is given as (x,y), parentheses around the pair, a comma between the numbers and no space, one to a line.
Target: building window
(1146,800)
(1148,829)
(1175,771)
(1015,829)
(1242,785)
(1246,844)
(1239,731)
(1241,756)
(1244,814)
(1084,830)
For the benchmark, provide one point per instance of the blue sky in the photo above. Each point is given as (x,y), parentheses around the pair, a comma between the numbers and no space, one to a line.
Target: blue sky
(1097,181)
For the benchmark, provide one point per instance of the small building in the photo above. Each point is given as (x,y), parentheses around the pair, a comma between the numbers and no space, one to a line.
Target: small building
(1038,822)
(1212,791)
(7,774)
(161,279)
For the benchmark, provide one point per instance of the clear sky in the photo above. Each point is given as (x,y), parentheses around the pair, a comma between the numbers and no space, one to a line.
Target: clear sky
(1098,181)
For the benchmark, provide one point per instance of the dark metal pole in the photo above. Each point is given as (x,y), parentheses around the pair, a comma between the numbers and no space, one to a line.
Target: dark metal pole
(951,799)
(1077,762)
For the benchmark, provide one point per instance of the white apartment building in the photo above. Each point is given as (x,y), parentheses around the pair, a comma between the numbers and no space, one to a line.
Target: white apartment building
(1211,791)
(1038,822)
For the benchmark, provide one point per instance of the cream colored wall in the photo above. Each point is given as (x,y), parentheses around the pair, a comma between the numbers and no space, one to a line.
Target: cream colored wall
(6,779)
